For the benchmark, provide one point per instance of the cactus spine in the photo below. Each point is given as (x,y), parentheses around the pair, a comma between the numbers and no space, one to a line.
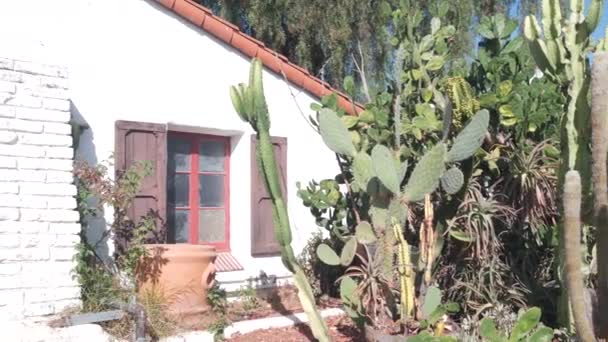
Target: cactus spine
(572,252)
(599,145)
(406,274)
(250,104)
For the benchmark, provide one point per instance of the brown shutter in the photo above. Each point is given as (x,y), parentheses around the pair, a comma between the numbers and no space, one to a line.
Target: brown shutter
(263,242)
(139,141)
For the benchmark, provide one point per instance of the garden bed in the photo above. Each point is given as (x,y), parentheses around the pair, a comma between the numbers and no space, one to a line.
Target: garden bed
(341,328)
(263,303)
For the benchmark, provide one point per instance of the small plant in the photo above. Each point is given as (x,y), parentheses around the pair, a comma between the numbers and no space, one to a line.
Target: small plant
(526,328)
(218,326)
(248,297)
(216,297)
(322,277)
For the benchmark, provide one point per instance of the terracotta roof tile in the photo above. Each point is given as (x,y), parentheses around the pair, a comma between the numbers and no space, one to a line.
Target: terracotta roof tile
(231,35)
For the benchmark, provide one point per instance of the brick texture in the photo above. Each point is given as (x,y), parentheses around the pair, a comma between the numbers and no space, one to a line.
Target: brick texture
(38,218)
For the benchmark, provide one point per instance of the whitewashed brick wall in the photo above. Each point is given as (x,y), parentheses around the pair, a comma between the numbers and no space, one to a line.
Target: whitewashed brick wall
(38,220)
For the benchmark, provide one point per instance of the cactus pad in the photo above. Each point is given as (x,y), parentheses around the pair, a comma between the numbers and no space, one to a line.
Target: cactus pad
(452,180)
(364,233)
(397,211)
(335,134)
(384,167)
(348,252)
(426,174)
(470,138)
(327,255)
(432,300)
(363,169)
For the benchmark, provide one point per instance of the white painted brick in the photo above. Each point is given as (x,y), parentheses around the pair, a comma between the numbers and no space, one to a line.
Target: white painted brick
(9,200)
(70,305)
(49,215)
(10,240)
(57,128)
(59,152)
(21,151)
(9,188)
(8,163)
(65,240)
(9,214)
(21,125)
(63,253)
(52,294)
(59,177)
(37,253)
(8,137)
(39,309)
(7,64)
(42,115)
(41,91)
(45,164)
(61,203)
(7,111)
(22,175)
(24,227)
(45,139)
(8,87)
(40,69)
(11,297)
(34,272)
(53,82)
(47,189)
(11,76)
(56,104)
(9,282)
(24,101)
(34,202)
(65,228)
(10,268)
(34,240)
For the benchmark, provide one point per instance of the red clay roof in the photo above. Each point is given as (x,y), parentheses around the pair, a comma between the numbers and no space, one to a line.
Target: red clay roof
(231,35)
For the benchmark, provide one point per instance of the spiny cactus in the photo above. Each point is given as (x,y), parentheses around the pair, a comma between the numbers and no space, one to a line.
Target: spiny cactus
(452,180)
(464,104)
(250,104)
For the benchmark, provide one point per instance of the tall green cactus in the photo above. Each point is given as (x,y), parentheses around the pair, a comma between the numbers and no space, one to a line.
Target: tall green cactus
(250,104)
(561,51)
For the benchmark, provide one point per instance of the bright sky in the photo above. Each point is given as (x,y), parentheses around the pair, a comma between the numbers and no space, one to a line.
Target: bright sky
(599,32)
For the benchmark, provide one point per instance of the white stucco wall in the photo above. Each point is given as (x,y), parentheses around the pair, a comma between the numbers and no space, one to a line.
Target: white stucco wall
(134,60)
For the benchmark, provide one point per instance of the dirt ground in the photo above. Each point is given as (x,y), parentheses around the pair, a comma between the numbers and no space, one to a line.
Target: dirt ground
(341,329)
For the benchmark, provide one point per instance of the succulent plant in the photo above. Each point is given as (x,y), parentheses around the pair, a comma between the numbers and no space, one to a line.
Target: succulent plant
(250,104)
(526,329)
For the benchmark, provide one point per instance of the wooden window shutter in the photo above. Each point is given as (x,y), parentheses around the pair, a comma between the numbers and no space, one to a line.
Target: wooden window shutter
(263,242)
(140,141)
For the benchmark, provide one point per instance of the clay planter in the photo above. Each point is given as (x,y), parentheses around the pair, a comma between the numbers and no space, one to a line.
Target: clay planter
(183,273)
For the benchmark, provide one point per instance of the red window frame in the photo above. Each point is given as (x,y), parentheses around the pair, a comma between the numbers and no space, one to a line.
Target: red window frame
(193,196)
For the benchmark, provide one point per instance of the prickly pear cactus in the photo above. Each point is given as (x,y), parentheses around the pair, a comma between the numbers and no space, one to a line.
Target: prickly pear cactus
(452,180)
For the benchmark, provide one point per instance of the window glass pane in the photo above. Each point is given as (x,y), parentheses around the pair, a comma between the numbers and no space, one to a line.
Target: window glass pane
(211,225)
(211,190)
(211,156)
(179,225)
(177,190)
(179,155)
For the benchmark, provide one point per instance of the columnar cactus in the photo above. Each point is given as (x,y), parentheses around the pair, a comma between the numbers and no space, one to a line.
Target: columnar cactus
(561,51)
(599,145)
(572,244)
(250,104)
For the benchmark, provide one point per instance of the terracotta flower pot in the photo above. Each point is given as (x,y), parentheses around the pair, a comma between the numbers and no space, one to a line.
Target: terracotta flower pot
(183,273)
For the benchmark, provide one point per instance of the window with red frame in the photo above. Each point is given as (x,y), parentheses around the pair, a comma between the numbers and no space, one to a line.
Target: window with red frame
(197,189)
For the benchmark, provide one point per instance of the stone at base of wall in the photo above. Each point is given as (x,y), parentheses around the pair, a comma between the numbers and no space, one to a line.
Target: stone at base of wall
(38,332)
